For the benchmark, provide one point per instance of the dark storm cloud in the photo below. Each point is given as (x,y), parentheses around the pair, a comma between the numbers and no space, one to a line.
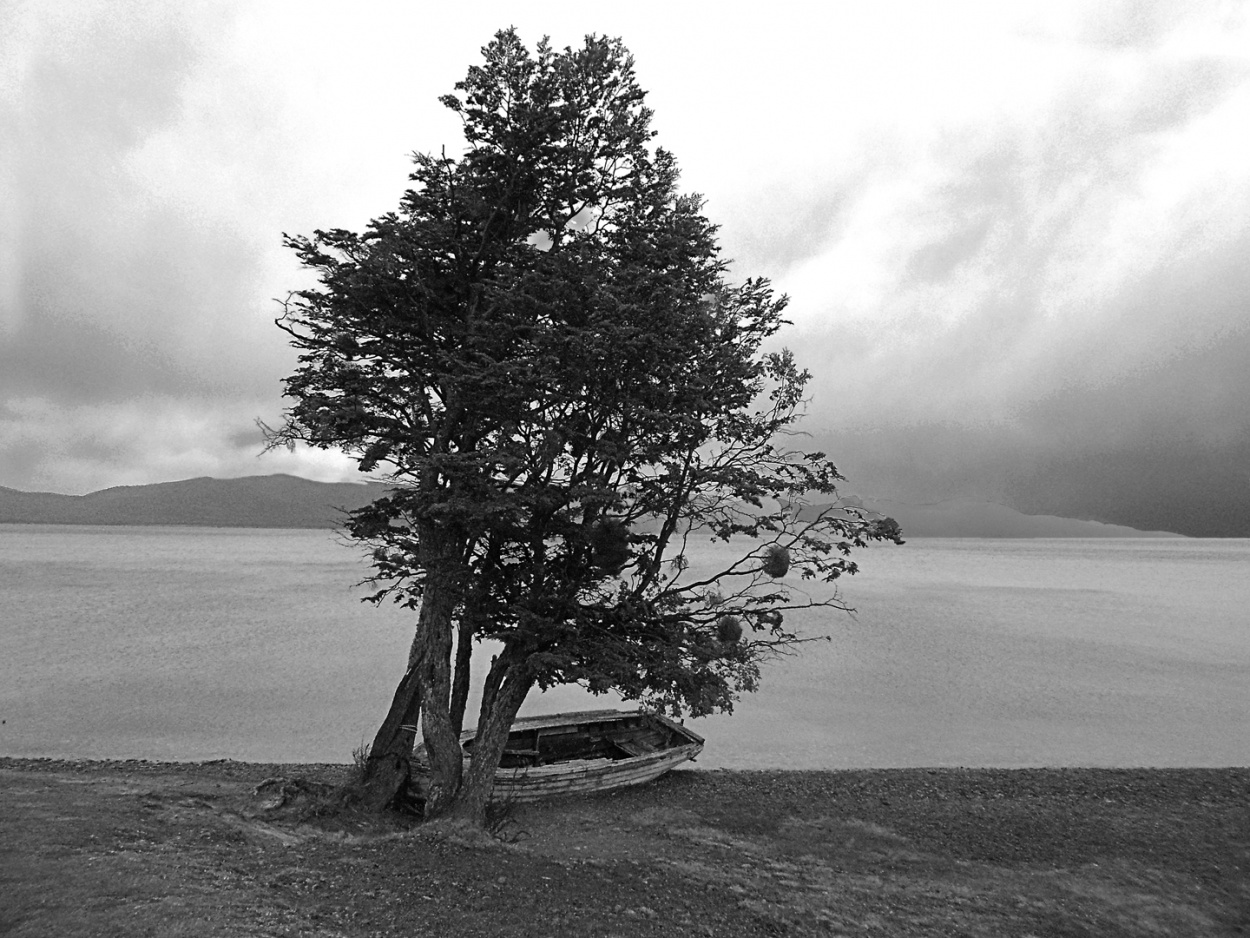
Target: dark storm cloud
(1141,418)
(1071,328)
(132,320)
(113,293)
(155,314)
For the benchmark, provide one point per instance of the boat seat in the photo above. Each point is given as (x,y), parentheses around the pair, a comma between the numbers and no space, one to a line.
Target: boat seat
(633,747)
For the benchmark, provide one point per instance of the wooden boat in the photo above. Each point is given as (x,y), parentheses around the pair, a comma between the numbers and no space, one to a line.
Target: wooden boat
(587,751)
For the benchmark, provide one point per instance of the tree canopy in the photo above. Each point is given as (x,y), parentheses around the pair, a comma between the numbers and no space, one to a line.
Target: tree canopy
(542,353)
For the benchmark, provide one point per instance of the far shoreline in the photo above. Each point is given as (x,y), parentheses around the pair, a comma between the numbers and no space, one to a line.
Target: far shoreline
(294,503)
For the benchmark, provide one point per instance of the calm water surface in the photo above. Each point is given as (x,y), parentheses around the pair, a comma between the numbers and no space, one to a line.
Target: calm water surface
(202,643)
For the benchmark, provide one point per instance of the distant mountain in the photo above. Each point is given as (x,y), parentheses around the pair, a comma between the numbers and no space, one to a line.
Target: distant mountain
(275,501)
(283,501)
(968,517)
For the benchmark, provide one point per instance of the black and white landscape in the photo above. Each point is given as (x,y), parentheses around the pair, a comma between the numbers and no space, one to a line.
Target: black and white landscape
(283,501)
(1014,237)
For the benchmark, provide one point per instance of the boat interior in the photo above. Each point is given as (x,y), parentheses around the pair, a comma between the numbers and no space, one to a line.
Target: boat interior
(611,739)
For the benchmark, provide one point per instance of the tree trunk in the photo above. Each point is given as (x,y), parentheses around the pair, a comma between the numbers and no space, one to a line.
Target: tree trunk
(492,738)
(442,743)
(388,766)
(490,686)
(422,694)
(461,679)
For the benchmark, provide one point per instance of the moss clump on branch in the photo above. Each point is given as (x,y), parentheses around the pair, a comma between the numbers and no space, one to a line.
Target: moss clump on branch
(776,561)
(729,629)
(609,545)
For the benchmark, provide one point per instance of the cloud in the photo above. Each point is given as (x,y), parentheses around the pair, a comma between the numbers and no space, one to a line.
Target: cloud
(1050,302)
(1014,235)
(1127,24)
(136,334)
(114,287)
(80,448)
(153,155)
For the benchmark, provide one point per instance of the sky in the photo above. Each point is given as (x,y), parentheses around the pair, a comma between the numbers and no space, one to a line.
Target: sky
(1016,236)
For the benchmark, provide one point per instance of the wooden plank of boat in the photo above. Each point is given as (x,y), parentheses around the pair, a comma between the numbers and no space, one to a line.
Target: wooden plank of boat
(523,788)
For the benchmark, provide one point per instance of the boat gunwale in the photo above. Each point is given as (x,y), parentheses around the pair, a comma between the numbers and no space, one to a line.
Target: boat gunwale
(572,718)
(600,766)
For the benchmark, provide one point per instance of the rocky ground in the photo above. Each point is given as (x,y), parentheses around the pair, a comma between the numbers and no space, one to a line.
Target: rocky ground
(134,848)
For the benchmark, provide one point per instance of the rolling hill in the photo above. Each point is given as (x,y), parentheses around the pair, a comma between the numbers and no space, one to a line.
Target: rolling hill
(284,501)
(274,501)
(969,517)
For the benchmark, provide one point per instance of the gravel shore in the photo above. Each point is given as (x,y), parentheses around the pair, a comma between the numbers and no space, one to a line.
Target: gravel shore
(132,848)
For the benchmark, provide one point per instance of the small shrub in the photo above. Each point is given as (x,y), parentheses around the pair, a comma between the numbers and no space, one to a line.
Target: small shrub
(360,758)
(500,819)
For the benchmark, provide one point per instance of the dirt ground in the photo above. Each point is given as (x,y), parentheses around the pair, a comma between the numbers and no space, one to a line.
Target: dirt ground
(135,848)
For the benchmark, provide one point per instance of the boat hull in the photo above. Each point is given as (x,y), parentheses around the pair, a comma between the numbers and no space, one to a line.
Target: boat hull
(521,783)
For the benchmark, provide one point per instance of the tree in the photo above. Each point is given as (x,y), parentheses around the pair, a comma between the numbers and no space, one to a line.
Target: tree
(542,354)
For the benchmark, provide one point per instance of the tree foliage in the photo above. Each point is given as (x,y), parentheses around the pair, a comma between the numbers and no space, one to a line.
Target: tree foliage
(540,350)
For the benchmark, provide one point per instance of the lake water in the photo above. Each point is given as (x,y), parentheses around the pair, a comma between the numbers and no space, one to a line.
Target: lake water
(204,643)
